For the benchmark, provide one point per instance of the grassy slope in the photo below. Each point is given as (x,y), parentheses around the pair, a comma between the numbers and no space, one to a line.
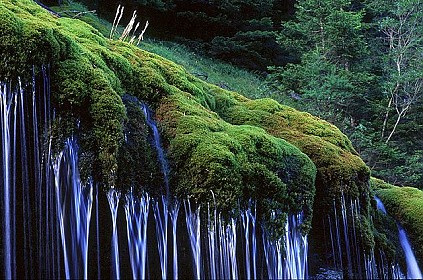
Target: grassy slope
(216,72)
(216,140)
(211,70)
(405,204)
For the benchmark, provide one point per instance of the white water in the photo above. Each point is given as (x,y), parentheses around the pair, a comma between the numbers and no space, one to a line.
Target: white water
(136,211)
(161,215)
(413,269)
(30,244)
(174,218)
(113,196)
(193,225)
(7,114)
(380,206)
(296,249)
(74,203)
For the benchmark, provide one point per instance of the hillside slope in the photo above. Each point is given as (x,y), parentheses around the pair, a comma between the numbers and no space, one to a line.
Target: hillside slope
(216,140)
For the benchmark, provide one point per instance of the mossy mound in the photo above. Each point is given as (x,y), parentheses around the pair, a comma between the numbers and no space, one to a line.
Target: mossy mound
(339,167)
(404,204)
(90,74)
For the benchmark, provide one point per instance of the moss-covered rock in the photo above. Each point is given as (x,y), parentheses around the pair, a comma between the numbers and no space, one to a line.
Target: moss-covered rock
(405,205)
(217,141)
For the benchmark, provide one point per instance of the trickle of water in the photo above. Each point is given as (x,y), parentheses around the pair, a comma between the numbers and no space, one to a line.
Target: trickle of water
(97,233)
(286,258)
(296,249)
(161,218)
(158,146)
(74,203)
(413,269)
(245,217)
(113,196)
(231,243)
(7,114)
(193,226)
(136,211)
(254,240)
(380,206)
(212,242)
(174,218)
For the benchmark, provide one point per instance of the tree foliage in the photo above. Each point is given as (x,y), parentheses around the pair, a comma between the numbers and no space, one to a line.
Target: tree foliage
(361,68)
(238,31)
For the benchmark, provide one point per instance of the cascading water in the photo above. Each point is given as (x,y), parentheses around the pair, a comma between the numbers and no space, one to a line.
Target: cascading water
(287,261)
(347,255)
(161,218)
(136,211)
(413,269)
(74,203)
(113,196)
(193,226)
(158,146)
(161,214)
(249,227)
(174,218)
(380,206)
(66,202)
(8,122)
(29,225)
(296,249)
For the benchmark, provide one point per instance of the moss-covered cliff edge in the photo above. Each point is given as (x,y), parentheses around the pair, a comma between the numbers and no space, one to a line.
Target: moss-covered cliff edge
(405,205)
(216,141)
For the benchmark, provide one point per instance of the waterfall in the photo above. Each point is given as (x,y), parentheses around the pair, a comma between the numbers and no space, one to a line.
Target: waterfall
(174,218)
(136,211)
(193,226)
(248,225)
(113,196)
(158,146)
(296,249)
(230,241)
(345,244)
(97,233)
(380,206)
(56,207)
(30,239)
(74,202)
(212,239)
(286,258)
(8,118)
(161,214)
(161,219)
(413,269)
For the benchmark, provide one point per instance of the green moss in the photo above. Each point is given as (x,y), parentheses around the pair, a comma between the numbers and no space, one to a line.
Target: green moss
(234,162)
(136,152)
(217,141)
(405,204)
(378,184)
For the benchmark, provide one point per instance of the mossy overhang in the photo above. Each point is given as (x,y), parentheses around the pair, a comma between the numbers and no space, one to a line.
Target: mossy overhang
(217,140)
(405,205)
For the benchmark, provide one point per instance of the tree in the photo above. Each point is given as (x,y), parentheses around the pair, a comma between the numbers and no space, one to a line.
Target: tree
(401,27)
(327,38)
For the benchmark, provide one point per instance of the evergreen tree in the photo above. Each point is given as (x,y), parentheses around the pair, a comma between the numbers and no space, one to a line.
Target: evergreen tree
(327,38)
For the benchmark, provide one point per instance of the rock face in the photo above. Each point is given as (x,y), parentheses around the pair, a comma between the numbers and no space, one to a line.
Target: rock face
(216,141)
